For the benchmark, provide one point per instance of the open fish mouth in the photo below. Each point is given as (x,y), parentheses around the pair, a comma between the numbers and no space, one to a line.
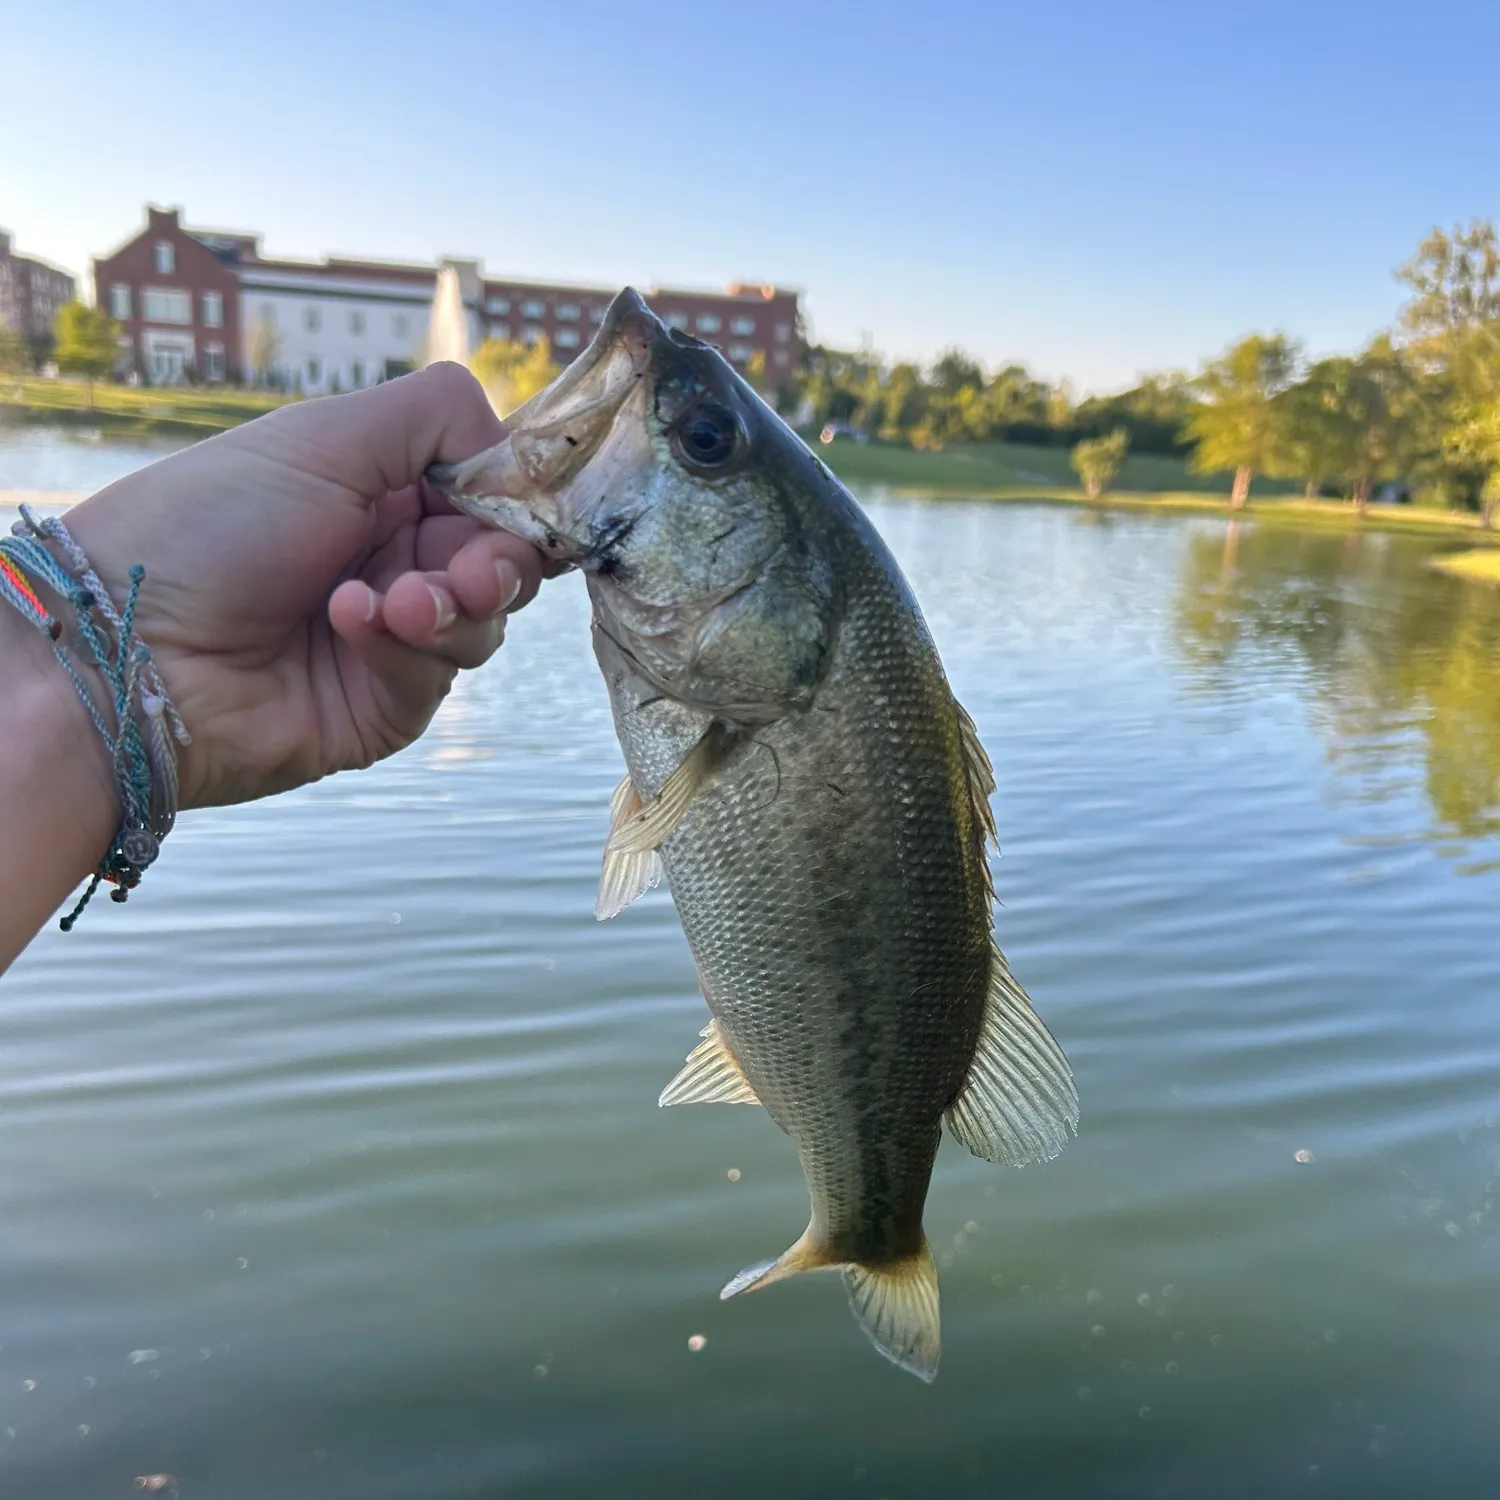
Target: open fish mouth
(518,484)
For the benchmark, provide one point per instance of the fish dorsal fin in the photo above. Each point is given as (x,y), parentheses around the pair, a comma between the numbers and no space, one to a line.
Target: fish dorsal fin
(1019,1103)
(710,1076)
(624,876)
(649,827)
(981,775)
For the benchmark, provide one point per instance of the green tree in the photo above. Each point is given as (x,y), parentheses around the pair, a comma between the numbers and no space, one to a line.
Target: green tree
(87,343)
(512,372)
(1455,284)
(265,349)
(1452,323)
(1472,433)
(1378,408)
(1316,437)
(1235,425)
(15,356)
(1097,460)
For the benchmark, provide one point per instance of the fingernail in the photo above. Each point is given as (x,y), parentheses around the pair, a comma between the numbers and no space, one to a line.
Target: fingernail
(510,581)
(372,603)
(445,616)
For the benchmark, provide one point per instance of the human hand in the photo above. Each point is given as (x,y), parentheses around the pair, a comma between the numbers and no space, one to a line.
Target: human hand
(307,599)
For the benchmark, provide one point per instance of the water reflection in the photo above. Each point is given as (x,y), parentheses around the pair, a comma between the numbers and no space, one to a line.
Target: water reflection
(1401,663)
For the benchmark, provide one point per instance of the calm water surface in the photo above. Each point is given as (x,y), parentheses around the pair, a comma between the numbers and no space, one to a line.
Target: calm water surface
(332,1165)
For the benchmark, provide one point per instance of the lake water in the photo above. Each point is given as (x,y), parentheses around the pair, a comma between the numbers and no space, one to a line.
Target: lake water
(331,1165)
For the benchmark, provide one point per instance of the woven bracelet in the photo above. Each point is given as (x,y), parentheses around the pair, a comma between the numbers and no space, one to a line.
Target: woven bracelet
(138,723)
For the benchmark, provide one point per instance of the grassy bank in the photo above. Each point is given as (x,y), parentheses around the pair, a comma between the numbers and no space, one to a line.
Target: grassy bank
(1005,471)
(133,411)
(1483,564)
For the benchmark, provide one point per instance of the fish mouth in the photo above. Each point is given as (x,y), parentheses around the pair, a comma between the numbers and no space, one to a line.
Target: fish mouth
(519,484)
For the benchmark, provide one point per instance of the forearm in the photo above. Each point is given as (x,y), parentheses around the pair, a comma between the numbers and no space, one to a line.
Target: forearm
(57,805)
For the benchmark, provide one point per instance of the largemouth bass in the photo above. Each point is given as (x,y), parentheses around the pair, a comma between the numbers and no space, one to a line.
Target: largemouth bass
(820,802)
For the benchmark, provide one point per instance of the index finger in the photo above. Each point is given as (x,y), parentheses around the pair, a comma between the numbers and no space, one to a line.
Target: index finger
(382,439)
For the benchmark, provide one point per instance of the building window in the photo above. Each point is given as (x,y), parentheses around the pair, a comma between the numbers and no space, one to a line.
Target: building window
(314,371)
(675,320)
(567,312)
(783,332)
(213,361)
(780,356)
(597,314)
(357,374)
(164,258)
(213,310)
(707,323)
(119,300)
(740,352)
(399,326)
(742,326)
(163,305)
(499,330)
(312,318)
(531,334)
(356,322)
(533,309)
(567,338)
(499,305)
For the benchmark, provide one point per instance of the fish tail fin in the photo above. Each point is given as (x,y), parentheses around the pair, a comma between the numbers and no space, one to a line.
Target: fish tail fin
(895,1303)
(806,1255)
(897,1306)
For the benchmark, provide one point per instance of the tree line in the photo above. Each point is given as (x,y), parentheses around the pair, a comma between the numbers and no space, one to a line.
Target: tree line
(1418,407)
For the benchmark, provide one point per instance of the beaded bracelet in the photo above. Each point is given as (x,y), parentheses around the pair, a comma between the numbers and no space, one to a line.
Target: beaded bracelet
(144,764)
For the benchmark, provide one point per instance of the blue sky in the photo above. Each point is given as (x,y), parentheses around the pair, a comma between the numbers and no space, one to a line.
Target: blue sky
(1095,188)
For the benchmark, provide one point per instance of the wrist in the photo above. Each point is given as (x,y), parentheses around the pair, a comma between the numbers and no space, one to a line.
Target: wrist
(57,791)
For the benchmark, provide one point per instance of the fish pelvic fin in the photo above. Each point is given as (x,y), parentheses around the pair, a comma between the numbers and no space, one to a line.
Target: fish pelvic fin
(650,826)
(806,1255)
(711,1075)
(896,1303)
(1019,1103)
(624,875)
(897,1306)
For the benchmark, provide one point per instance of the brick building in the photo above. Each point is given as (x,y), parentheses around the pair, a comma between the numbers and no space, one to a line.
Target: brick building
(223,311)
(31,291)
(177,301)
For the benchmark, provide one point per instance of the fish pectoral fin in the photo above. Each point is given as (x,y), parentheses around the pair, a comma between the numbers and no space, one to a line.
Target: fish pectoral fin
(647,829)
(897,1306)
(980,773)
(710,1076)
(625,875)
(1019,1103)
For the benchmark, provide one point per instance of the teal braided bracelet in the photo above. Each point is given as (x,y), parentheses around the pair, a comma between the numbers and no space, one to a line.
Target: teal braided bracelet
(147,728)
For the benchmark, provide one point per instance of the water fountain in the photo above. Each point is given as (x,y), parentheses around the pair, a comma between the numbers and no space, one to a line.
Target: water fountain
(448,323)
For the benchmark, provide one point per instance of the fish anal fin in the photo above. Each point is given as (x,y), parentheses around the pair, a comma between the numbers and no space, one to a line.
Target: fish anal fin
(1019,1103)
(624,875)
(897,1306)
(711,1075)
(806,1255)
(980,774)
(648,828)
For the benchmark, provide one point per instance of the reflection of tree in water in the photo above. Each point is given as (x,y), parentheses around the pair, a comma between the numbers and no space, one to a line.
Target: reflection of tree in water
(1393,656)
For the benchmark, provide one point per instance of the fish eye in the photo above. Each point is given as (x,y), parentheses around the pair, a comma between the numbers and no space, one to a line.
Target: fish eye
(706,435)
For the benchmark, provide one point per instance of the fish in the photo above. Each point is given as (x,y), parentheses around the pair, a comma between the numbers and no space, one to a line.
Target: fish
(799,769)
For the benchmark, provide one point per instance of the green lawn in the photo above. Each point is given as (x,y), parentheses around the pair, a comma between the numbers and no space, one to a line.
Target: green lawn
(971,468)
(1008,471)
(185,411)
(1482,564)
